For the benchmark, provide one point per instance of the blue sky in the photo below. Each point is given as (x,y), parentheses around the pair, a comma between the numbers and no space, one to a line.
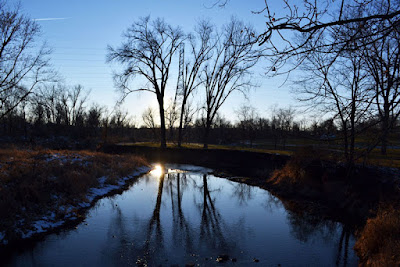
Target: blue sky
(79,32)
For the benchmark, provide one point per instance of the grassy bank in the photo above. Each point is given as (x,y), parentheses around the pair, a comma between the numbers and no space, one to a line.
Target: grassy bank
(40,190)
(212,147)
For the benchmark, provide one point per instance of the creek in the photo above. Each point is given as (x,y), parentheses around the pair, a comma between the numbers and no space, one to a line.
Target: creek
(179,215)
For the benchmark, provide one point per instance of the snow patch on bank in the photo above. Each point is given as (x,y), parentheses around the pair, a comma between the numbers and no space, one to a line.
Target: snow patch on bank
(103,188)
(71,158)
(40,226)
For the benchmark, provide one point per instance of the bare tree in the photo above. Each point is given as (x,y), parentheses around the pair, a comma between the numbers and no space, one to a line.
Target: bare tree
(248,118)
(50,95)
(147,52)
(317,19)
(382,58)
(23,62)
(281,124)
(172,116)
(94,118)
(119,119)
(189,76)
(65,104)
(340,89)
(227,71)
(149,121)
(77,99)
(369,26)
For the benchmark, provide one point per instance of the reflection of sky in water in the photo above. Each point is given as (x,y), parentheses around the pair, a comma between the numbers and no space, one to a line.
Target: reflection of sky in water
(178,216)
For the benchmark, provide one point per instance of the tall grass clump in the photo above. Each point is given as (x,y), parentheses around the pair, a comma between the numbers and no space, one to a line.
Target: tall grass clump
(379,242)
(305,167)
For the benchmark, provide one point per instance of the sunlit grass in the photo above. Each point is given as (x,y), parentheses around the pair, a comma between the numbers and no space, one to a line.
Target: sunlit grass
(211,146)
(391,159)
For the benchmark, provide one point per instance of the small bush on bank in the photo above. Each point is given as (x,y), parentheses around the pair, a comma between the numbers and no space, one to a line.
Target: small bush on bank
(379,242)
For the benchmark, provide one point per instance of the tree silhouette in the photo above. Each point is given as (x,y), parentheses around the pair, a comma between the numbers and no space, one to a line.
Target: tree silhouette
(24,64)
(227,71)
(147,52)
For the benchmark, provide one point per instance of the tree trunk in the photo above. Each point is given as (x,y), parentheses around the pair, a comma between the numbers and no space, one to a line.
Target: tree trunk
(384,142)
(385,131)
(171,133)
(156,213)
(180,132)
(346,141)
(352,132)
(162,121)
(206,135)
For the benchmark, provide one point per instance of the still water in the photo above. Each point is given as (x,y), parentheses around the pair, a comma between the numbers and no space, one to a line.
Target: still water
(180,214)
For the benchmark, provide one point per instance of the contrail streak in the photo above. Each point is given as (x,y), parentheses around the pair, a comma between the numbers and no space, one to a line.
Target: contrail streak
(49,19)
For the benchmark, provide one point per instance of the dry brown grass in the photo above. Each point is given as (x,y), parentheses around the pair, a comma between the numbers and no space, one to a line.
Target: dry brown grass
(31,180)
(379,242)
(304,168)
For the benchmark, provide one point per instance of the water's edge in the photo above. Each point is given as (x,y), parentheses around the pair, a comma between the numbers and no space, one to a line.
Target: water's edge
(75,213)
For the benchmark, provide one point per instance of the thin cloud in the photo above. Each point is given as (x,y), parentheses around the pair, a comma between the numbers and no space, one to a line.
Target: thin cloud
(49,19)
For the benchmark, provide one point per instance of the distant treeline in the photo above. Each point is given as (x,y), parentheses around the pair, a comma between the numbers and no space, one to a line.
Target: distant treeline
(59,116)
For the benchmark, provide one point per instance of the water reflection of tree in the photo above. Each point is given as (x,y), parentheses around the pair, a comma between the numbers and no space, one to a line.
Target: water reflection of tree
(181,228)
(211,237)
(211,231)
(117,232)
(305,226)
(137,248)
(242,192)
(208,237)
(344,240)
(154,233)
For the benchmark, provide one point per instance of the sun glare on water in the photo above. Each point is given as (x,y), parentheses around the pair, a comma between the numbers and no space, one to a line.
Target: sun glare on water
(157,171)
